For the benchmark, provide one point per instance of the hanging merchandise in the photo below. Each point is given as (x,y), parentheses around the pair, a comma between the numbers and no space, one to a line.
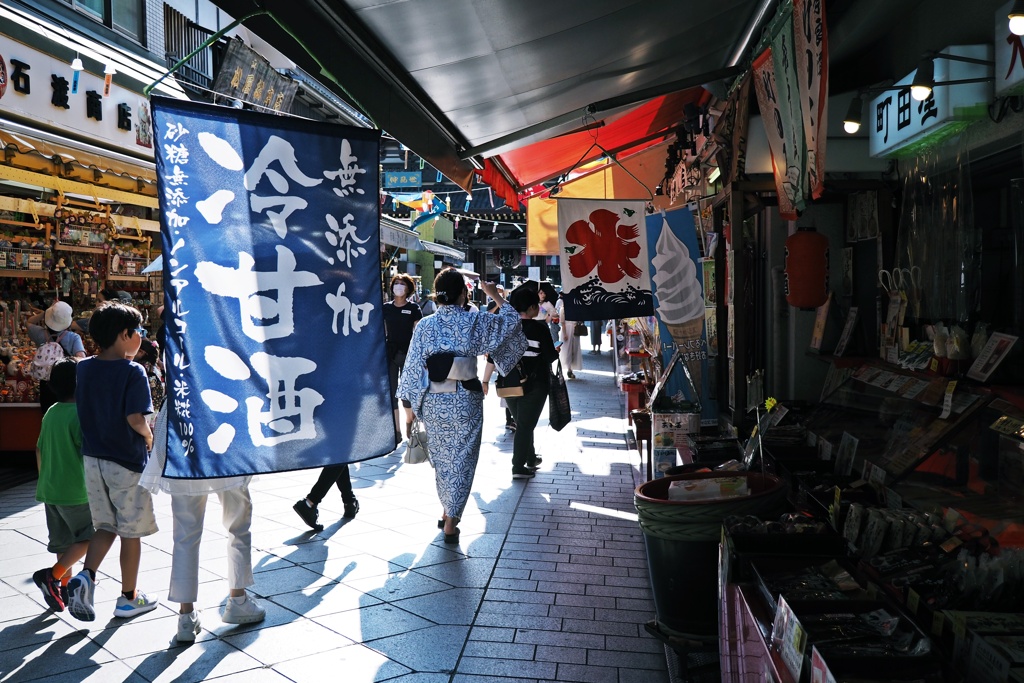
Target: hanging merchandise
(806,269)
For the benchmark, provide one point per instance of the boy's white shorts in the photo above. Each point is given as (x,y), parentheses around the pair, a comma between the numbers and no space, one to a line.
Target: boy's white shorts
(117,502)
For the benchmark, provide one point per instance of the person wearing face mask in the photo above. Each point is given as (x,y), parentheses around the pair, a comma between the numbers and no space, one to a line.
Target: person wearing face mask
(400,317)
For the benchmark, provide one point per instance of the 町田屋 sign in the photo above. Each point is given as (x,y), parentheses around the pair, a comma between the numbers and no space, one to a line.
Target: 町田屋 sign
(900,124)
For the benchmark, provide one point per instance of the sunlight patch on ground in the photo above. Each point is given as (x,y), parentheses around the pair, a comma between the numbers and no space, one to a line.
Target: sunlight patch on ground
(596,373)
(617,514)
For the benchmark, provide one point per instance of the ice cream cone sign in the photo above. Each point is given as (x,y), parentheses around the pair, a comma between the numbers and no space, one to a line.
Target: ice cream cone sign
(680,301)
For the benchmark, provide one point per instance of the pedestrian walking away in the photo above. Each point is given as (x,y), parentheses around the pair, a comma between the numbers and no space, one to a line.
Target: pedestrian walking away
(440,381)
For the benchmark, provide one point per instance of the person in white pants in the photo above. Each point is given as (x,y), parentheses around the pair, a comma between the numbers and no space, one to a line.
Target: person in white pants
(188,506)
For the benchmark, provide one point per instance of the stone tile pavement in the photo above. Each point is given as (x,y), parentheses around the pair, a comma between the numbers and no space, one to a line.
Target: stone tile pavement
(548,583)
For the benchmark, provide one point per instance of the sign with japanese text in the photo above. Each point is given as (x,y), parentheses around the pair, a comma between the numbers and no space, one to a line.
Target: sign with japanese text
(896,120)
(604,259)
(811,50)
(41,90)
(275,338)
(780,128)
(246,75)
(395,179)
(1009,53)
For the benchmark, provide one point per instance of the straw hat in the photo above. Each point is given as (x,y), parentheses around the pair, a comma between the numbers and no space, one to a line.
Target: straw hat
(58,316)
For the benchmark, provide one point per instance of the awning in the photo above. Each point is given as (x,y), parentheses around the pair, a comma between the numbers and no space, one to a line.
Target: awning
(493,75)
(609,182)
(27,144)
(451,253)
(397,236)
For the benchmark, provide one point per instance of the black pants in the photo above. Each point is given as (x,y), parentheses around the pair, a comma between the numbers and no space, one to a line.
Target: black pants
(332,474)
(526,410)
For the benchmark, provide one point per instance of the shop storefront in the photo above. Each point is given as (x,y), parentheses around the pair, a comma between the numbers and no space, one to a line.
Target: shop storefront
(77,191)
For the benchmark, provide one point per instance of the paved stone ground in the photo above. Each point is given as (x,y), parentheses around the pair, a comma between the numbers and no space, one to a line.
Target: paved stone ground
(548,583)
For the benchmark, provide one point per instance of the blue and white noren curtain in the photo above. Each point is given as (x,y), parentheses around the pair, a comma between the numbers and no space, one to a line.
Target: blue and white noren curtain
(276,355)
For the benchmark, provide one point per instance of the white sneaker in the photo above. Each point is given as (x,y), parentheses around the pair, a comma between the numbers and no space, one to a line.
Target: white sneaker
(248,612)
(188,627)
(130,608)
(80,592)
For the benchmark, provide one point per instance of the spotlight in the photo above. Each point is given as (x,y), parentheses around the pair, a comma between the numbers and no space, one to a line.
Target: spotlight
(924,80)
(851,123)
(1016,17)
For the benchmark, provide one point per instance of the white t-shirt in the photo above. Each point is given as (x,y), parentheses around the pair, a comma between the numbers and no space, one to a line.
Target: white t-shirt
(546,309)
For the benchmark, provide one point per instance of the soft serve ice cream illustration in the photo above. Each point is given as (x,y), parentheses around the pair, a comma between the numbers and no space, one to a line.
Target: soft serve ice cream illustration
(680,299)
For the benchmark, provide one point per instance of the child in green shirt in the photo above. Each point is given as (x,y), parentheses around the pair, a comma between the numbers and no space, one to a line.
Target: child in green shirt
(61,486)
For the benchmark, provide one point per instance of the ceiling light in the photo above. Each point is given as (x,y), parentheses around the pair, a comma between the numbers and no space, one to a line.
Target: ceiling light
(852,121)
(714,174)
(1017,18)
(924,80)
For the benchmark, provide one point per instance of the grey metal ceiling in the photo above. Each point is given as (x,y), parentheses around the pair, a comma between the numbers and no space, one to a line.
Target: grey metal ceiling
(446,75)
(493,67)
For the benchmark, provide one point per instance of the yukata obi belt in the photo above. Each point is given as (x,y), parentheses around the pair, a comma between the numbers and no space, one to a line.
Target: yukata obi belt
(446,371)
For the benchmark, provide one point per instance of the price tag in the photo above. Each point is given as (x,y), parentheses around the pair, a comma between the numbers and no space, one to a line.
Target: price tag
(951,544)
(950,519)
(947,400)
(778,413)
(913,600)
(836,507)
(938,622)
(825,449)
(789,638)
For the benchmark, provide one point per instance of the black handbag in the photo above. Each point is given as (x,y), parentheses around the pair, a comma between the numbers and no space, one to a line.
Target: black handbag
(580,330)
(559,410)
(511,386)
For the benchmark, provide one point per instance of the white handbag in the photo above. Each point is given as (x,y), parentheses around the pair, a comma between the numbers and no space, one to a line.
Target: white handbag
(417,451)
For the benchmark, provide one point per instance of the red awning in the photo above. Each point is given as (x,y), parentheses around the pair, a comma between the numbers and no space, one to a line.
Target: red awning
(637,129)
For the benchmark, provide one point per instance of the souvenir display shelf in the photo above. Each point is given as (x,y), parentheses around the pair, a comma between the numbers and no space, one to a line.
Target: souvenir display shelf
(956,463)
(70,251)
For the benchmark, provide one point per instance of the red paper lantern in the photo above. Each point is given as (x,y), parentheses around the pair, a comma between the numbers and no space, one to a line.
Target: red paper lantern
(806,269)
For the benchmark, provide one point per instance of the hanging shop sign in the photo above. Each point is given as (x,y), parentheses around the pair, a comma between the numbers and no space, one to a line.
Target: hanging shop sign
(811,54)
(41,89)
(1009,54)
(902,125)
(247,76)
(397,179)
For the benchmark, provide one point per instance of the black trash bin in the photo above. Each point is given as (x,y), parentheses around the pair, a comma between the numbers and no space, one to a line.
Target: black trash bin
(682,545)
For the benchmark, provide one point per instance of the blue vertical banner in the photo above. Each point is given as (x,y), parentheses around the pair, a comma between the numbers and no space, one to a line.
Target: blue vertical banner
(677,277)
(273,306)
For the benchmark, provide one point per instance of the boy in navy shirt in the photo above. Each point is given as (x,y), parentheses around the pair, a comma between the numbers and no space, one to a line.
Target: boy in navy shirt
(113,400)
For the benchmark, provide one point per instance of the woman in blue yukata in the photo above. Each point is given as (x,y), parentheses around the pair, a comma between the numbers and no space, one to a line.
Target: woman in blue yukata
(440,381)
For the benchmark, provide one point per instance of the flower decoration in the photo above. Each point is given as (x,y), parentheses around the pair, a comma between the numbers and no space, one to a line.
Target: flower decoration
(770,403)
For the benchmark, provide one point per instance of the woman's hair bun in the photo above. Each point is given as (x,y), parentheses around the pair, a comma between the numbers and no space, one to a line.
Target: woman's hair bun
(442,297)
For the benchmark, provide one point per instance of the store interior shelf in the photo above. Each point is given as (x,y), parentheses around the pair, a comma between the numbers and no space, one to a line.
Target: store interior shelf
(25,273)
(86,250)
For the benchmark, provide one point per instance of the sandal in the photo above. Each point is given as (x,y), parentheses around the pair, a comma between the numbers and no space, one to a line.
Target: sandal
(452,538)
